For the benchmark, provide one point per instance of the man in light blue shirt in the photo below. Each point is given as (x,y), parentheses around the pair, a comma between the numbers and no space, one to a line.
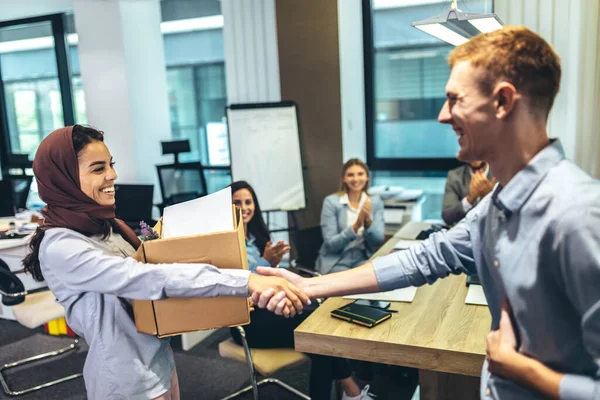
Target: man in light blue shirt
(534,241)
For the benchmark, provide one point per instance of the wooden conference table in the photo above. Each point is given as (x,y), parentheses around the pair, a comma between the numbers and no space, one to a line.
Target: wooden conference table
(437,333)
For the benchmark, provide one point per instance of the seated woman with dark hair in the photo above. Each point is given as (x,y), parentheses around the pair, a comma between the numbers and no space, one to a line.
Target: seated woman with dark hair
(269,331)
(84,254)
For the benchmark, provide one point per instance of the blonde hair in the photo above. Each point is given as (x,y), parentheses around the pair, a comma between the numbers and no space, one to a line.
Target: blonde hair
(350,163)
(519,56)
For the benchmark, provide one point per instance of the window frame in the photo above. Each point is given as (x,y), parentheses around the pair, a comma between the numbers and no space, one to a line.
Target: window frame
(441,164)
(58,26)
(194,68)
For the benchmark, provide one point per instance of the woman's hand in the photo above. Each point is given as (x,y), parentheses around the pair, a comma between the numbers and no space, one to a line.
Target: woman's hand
(276,294)
(360,221)
(366,212)
(274,253)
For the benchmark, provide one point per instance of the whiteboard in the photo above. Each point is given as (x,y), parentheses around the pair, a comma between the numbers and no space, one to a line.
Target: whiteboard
(265,151)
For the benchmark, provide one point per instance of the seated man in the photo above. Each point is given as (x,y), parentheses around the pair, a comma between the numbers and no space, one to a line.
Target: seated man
(465,187)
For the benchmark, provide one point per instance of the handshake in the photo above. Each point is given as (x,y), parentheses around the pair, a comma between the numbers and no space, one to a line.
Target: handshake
(280,291)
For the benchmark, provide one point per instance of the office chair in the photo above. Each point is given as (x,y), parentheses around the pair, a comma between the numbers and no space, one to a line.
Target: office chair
(31,310)
(20,187)
(181,182)
(7,202)
(306,243)
(264,361)
(134,204)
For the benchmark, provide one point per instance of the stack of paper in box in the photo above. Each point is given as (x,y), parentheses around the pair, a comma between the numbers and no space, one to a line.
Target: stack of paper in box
(206,230)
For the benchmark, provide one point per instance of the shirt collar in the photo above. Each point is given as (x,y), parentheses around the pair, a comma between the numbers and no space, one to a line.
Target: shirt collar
(345,200)
(250,239)
(513,196)
(486,171)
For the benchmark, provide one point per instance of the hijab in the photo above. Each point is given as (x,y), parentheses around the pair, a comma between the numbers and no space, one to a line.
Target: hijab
(56,169)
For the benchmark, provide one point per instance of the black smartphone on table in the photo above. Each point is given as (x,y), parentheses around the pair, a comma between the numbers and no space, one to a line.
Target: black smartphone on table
(382,305)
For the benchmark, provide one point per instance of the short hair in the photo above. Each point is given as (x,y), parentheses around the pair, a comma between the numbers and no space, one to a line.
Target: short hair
(519,56)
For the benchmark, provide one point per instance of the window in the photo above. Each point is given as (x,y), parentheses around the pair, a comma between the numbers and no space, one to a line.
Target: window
(35,83)
(197,101)
(405,74)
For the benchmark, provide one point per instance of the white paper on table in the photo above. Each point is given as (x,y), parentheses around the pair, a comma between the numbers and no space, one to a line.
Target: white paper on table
(208,214)
(476,296)
(404,244)
(406,294)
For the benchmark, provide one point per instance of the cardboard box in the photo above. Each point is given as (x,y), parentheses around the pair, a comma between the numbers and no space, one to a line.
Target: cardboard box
(174,316)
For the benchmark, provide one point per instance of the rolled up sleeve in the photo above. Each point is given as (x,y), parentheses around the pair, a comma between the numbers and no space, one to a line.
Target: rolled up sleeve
(443,253)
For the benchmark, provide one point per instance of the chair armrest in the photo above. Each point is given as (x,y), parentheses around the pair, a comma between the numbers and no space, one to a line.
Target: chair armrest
(11,288)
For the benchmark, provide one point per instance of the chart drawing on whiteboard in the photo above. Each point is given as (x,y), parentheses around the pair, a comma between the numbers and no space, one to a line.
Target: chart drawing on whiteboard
(265,151)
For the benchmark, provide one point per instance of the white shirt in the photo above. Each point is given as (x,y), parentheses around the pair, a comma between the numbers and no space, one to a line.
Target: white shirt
(352,216)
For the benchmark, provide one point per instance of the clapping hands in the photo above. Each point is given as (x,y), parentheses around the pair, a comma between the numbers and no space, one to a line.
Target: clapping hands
(274,252)
(364,216)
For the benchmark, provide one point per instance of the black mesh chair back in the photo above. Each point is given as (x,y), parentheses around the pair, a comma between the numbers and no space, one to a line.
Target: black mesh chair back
(306,243)
(134,204)
(20,186)
(7,203)
(181,182)
(10,284)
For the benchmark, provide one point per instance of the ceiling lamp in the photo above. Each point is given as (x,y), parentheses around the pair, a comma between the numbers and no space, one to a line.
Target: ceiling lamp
(456,27)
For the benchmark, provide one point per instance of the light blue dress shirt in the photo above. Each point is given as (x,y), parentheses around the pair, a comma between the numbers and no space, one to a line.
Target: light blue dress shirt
(535,242)
(86,274)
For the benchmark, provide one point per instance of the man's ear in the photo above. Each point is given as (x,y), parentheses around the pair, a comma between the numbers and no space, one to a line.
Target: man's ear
(505,99)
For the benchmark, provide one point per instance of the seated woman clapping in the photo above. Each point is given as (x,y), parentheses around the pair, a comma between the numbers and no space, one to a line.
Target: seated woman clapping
(267,330)
(351,221)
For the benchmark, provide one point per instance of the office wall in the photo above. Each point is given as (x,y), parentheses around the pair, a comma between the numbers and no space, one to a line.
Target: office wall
(307,34)
(573,28)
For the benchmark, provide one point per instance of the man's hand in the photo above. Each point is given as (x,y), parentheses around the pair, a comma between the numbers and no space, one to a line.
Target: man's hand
(502,345)
(274,252)
(296,280)
(504,360)
(276,294)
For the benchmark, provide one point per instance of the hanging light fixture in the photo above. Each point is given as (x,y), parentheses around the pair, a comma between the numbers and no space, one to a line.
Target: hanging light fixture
(456,26)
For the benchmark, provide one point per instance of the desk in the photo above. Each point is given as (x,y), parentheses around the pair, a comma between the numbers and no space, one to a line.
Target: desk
(398,212)
(437,333)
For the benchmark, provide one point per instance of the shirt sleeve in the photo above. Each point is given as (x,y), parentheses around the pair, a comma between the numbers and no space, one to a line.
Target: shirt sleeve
(579,254)
(466,206)
(82,267)
(443,253)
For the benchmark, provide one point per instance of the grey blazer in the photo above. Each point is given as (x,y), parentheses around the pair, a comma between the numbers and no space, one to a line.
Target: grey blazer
(457,188)
(336,235)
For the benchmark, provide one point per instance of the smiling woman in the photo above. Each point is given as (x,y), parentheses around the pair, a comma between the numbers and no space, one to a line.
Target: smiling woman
(85,254)
(351,221)
(96,173)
